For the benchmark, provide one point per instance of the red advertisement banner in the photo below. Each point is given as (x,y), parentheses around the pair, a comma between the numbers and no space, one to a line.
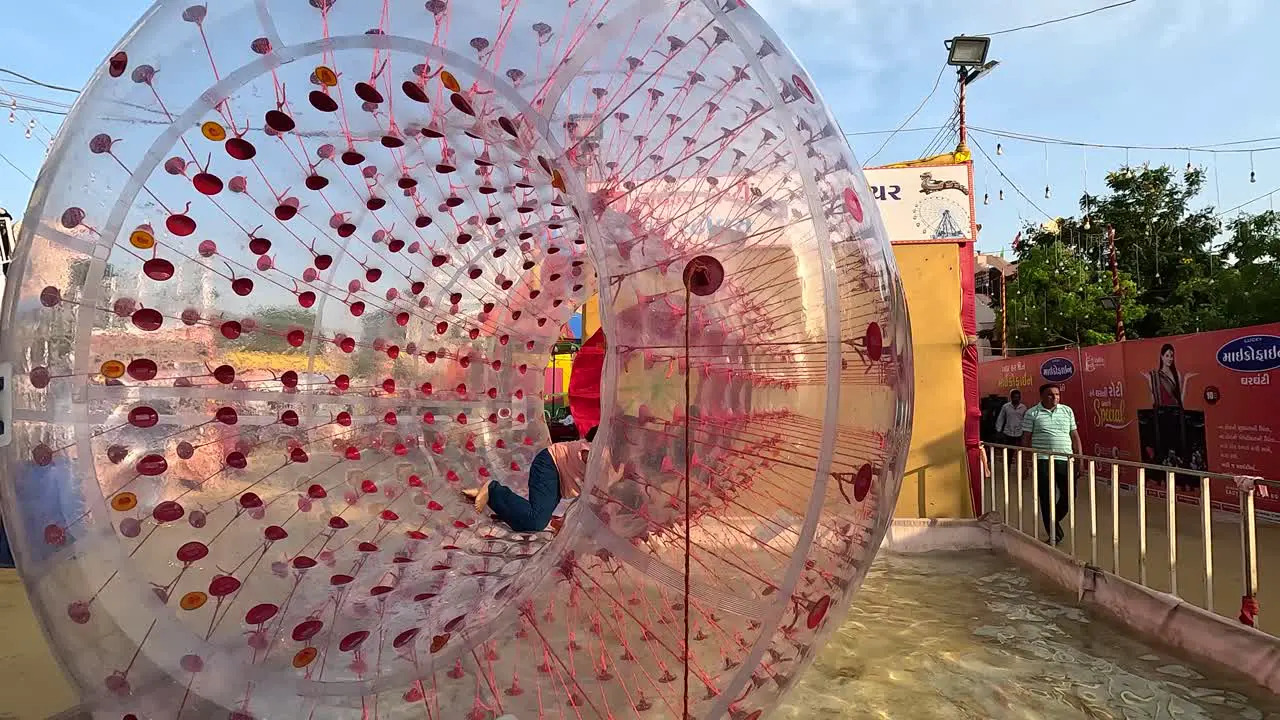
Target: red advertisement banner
(1206,402)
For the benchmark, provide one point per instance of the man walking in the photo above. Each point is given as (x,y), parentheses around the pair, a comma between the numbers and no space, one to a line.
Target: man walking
(1050,427)
(1009,422)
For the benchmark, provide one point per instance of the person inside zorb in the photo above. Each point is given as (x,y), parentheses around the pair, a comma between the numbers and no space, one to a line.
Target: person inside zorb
(555,474)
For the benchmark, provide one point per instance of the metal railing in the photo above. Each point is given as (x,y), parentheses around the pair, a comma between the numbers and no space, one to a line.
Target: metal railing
(1007,468)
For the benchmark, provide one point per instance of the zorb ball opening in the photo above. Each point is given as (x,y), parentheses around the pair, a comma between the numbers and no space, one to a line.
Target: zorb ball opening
(289,284)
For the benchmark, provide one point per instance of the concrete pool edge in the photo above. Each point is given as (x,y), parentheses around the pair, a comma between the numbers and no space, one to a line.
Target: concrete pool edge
(920,535)
(1156,615)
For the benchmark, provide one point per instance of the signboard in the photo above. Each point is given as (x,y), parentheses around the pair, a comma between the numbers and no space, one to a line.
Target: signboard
(932,203)
(1205,402)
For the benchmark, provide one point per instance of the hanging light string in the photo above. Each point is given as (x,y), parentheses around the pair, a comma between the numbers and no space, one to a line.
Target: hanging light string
(1267,195)
(10,101)
(1212,149)
(1088,205)
(1007,179)
(1222,147)
(1047,193)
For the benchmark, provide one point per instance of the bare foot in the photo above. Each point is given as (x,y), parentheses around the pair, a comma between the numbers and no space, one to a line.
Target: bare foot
(478,496)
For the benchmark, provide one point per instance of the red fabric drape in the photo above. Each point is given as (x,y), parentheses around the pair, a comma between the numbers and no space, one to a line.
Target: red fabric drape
(969,367)
(584,383)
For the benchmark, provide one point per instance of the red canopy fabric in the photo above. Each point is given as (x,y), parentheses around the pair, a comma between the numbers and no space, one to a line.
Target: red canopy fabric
(584,383)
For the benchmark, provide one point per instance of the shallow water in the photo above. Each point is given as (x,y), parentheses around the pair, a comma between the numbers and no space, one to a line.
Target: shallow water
(964,635)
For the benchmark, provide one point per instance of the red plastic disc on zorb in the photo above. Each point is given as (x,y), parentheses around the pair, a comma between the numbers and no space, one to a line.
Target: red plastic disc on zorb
(260,346)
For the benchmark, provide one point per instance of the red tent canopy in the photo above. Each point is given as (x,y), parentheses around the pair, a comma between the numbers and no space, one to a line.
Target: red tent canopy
(584,383)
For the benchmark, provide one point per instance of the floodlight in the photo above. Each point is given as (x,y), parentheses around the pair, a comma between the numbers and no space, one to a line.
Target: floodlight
(966,51)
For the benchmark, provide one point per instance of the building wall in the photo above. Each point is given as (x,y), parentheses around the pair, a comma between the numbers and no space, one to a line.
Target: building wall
(936,483)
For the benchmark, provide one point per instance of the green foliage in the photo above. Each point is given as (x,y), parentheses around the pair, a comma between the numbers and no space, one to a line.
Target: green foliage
(273,324)
(1057,298)
(1176,275)
(1250,284)
(375,325)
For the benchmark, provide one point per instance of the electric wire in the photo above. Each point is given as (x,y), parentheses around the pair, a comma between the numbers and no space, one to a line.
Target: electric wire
(936,82)
(1042,23)
(17,169)
(33,81)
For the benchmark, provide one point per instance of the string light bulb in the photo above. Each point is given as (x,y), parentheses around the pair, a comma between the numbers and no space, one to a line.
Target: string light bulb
(1047,192)
(1001,195)
(999,149)
(1253,177)
(1087,225)
(28,133)
(986,198)
(12,117)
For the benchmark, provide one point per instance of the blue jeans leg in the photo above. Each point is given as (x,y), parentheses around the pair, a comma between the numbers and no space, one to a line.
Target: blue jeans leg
(6,554)
(533,514)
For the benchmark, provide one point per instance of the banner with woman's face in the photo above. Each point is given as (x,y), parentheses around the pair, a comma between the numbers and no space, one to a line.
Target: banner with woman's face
(1203,401)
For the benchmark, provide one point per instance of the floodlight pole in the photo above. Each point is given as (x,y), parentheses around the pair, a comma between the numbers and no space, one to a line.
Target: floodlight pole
(963,75)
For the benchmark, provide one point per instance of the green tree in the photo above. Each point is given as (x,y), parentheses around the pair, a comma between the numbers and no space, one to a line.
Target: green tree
(1249,285)
(273,324)
(374,325)
(1165,246)
(1172,279)
(1056,297)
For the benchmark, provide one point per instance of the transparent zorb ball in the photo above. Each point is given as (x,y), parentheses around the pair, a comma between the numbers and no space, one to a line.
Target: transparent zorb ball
(289,283)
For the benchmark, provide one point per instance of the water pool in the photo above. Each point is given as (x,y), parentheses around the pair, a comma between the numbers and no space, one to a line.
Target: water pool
(944,635)
(965,635)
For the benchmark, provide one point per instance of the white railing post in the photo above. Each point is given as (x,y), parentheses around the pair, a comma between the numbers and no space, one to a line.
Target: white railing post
(1142,527)
(1071,504)
(1206,540)
(1171,508)
(1022,459)
(1249,532)
(991,469)
(989,477)
(1051,522)
(1021,456)
(1115,519)
(1035,495)
(1004,475)
(982,491)
(1093,513)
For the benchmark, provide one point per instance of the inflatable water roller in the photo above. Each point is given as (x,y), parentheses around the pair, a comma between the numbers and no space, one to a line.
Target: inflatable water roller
(289,282)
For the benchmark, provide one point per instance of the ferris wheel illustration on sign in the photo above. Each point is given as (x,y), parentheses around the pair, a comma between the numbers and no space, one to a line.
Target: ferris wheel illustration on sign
(940,217)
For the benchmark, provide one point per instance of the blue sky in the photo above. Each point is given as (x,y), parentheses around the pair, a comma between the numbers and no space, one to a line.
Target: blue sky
(1155,72)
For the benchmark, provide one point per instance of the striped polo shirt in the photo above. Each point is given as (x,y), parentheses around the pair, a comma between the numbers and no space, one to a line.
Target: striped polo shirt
(1050,429)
